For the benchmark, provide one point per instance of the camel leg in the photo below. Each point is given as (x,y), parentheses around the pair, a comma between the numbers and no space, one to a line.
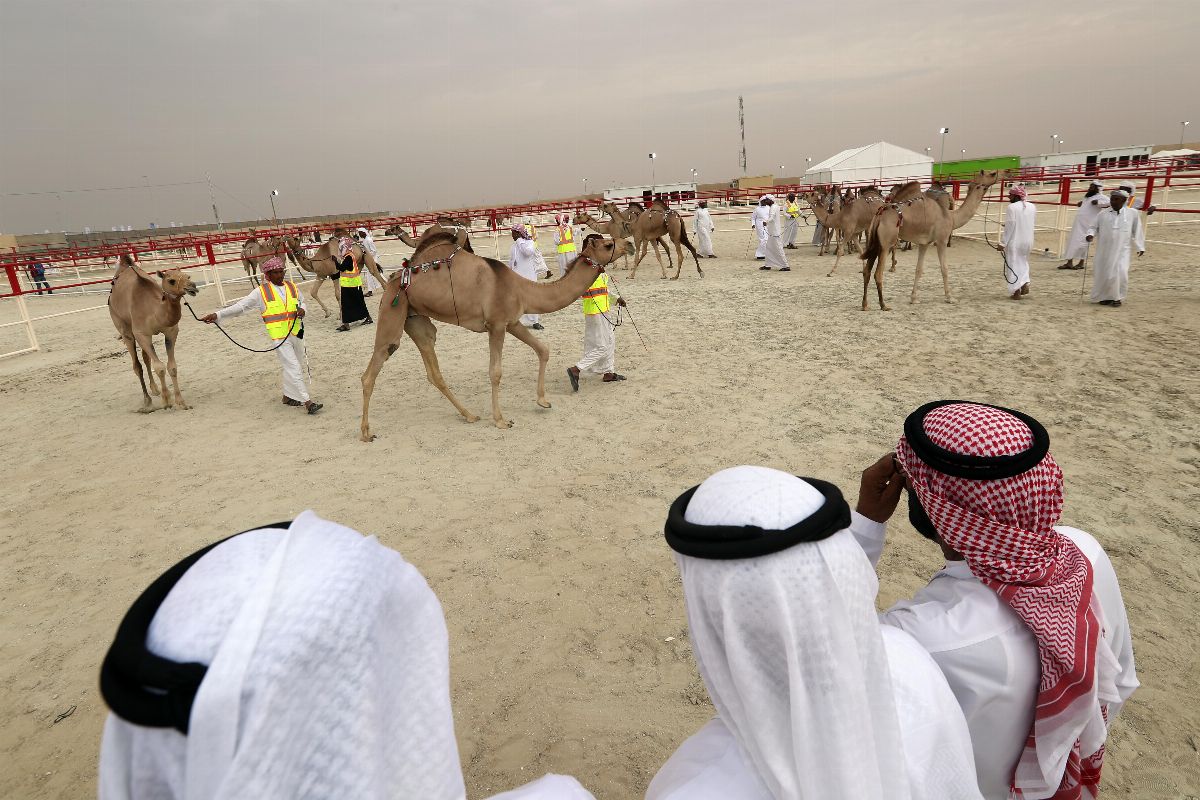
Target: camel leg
(921,248)
(496,346)
(837,256)
(658,258)
(678,258)
(149,372)
(519,331)
(388,332)
(424,336)
(663,241)
(893,269)
(879,284)
(157,367)
(171,336)
(317,295)
(941,252)
(641,247)
(131,346)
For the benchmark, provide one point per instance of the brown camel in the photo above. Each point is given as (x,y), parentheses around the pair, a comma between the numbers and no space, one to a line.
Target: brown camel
(438,227)
(323,263)
(621,223)
(849,221)
(647,227)
(612,228)
(455,287)
(256,251)
(924,221)
(399,232)
(142,307)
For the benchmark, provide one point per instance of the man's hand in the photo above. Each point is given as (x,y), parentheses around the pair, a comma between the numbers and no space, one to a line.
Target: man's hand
(879,489)
(300,313)
(209,318)
(621,300)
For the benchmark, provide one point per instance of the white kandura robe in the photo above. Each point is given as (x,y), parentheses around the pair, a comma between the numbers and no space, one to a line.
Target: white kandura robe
(291,355)
(526,260)
(1115,232)
(1085,218)
(989,656)
(702,225)
(773,246)
(1017,240)
(370,284)
(759,218)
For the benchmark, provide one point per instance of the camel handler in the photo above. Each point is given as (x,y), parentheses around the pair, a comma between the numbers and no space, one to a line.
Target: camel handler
(599,335)
(350,284)
(772,246)
(526,260)
(792,211)
(370,284)
(282,308)
(703,227)
(564,239)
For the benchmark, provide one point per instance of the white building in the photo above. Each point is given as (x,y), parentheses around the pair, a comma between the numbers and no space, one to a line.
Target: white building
(880,162)
(1105,158)
(673,194)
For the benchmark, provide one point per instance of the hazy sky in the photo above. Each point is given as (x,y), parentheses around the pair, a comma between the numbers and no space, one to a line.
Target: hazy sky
(409,105)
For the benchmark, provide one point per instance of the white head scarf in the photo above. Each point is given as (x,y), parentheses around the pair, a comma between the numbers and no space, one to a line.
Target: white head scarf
(328,676)
(789,646)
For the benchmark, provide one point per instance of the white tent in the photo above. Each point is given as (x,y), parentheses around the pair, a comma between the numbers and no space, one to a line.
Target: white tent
(873,162)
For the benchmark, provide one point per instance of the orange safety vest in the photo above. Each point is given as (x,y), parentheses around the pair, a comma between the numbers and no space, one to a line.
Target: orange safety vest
(354,276)
(595,299)
(279,309)
(566,239)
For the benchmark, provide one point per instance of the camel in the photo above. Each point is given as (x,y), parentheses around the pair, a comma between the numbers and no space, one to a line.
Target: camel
(142,307)
(459,288)
(849,221)
(443,225)
(323,263)
(612,228)
(256,251)
(647,227)
(924,221)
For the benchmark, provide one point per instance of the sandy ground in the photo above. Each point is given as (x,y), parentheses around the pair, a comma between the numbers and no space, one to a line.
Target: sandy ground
(569,644)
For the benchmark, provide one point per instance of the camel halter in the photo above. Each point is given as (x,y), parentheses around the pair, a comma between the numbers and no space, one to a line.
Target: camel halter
(406,271)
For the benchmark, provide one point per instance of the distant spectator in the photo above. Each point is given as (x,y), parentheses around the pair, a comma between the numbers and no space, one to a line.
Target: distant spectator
(37,273)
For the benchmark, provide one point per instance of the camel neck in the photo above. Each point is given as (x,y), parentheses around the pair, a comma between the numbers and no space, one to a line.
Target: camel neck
(966,210)
(544,298)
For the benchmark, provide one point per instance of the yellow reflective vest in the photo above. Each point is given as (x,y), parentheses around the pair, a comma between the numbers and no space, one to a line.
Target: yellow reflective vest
(279,309)
(354,276)
(532,232)
(595,299)
(566,239)
(793,210)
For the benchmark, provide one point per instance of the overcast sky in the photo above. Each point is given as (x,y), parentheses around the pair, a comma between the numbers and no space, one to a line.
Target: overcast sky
(409,105)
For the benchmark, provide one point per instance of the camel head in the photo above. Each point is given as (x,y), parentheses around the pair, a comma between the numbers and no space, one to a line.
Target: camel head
(604,251)
(581,218)
(176,284)
(395,230)
(985,178)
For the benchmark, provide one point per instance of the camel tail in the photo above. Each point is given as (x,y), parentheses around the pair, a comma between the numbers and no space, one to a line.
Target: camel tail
(874,249)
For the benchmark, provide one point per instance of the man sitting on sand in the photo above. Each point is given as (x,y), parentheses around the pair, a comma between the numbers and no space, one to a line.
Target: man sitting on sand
(1026,619)
(814,698)
(299,660)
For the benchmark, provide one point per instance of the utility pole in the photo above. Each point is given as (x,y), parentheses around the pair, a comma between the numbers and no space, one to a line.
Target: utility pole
(211,197)
(742,125)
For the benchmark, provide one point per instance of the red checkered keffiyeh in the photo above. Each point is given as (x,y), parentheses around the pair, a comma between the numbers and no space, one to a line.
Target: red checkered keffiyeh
(1004,529)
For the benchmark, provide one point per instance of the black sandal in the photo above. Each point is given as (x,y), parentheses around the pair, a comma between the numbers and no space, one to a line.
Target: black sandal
(573,374)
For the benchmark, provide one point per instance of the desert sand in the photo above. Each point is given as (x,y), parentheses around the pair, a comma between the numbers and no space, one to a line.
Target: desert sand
(569,643)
